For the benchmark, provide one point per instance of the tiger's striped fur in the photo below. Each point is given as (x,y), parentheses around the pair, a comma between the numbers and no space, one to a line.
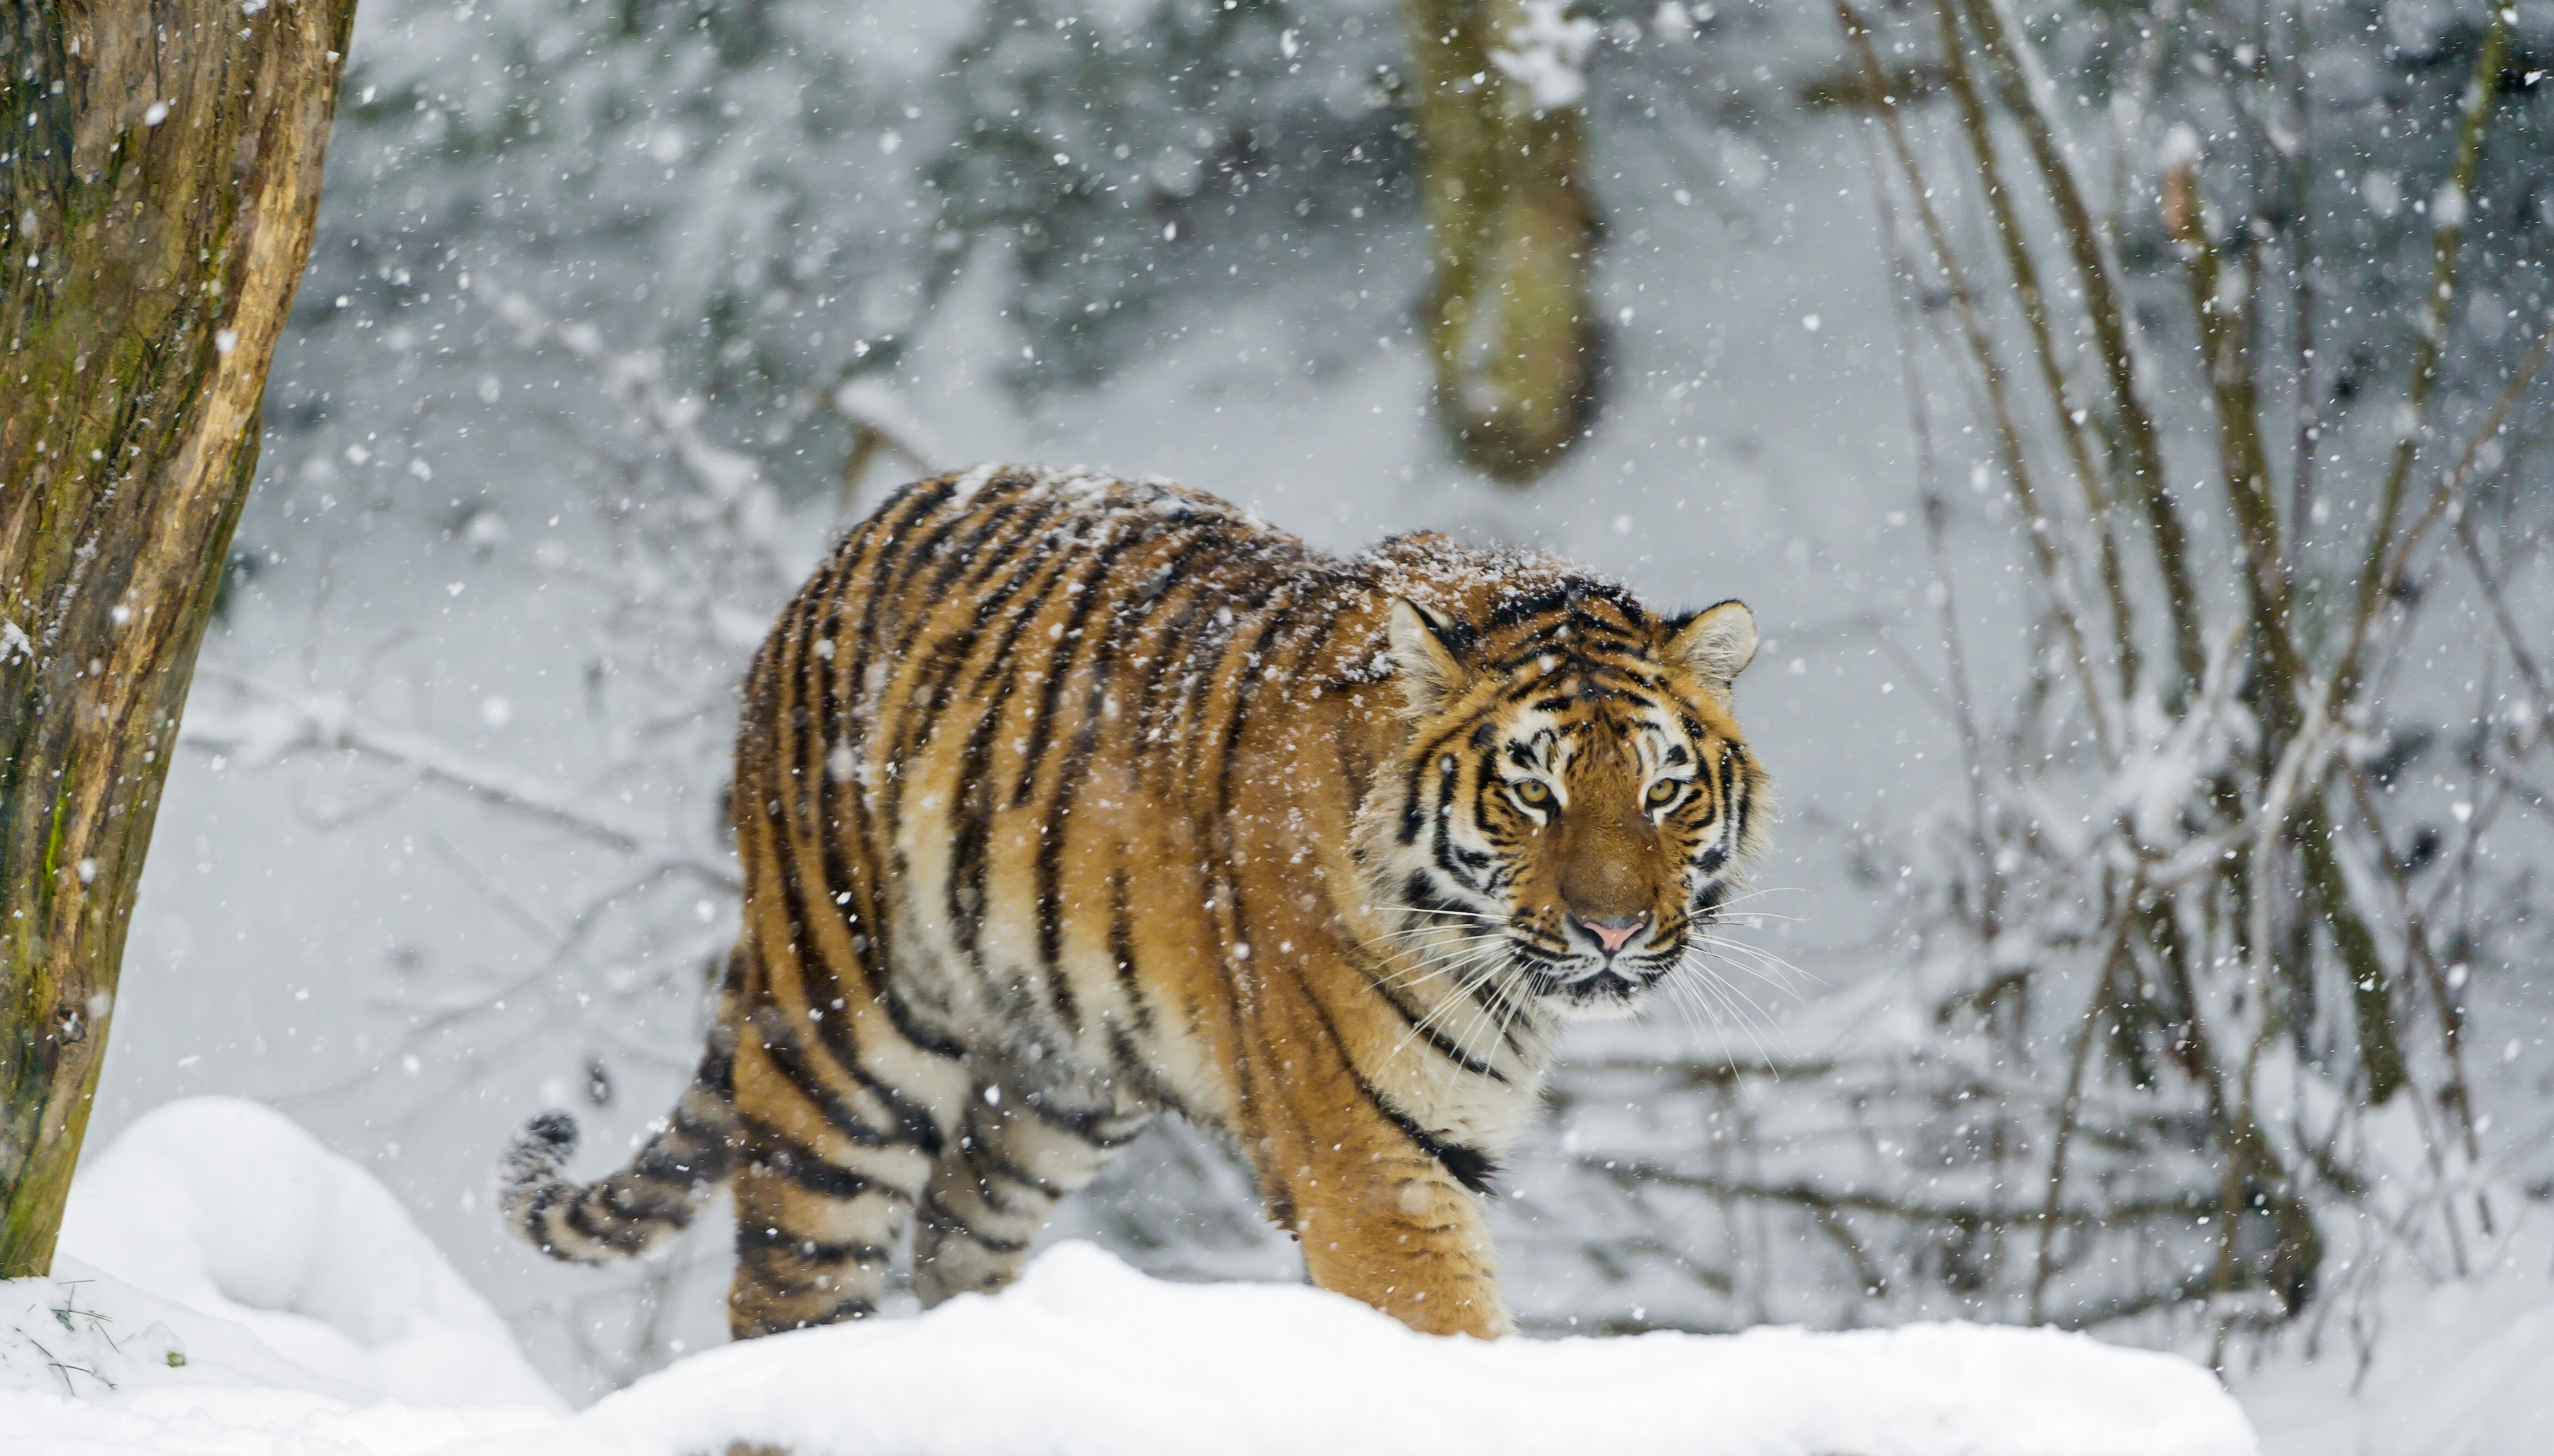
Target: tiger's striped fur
(1064,800)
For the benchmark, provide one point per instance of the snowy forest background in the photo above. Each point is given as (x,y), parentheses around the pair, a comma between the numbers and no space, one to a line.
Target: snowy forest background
(2124,961)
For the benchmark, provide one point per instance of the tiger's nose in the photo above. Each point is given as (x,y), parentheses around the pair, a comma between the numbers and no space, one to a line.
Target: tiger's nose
(1613,932)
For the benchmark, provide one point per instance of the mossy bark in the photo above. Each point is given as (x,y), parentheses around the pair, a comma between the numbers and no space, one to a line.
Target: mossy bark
(1512,335)
(160,171)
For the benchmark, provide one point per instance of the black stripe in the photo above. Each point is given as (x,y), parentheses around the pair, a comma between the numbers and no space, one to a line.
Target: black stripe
(1230,859)
(1414,810)
(1067,648)
(658,1164)
(1571,648)
(627,1231)
(915,1122)
(854,899)
(1083,1125)
(1471,1167)
(806,712)
(1121,949)
(1170,616)
(535,1215)
(930,687)
(898,1015)
(717,1074)
(1130,1062)
(940,1214)
(767,1239)
(1441,844)
(973,816)
(829,1179)
(987,1161)
(855,902)
(791,1060)
(1422,894)
(1560,596)
(1055,827)
(1434,1039)
(1057,824)
(920,555)
(964,575)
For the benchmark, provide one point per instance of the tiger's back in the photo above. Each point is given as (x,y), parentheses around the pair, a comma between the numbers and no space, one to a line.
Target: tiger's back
(1019,694)
(1064,800)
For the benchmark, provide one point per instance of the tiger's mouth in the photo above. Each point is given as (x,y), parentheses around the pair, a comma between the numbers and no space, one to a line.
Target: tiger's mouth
(1593,985)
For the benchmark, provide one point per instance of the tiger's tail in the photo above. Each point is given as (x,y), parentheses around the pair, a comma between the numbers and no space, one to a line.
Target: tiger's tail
(626,1213)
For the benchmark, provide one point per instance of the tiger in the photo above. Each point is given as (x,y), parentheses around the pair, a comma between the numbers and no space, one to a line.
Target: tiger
(1063,801)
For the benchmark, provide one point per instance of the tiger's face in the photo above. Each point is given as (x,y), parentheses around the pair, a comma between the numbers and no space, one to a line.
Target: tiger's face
(1575,800)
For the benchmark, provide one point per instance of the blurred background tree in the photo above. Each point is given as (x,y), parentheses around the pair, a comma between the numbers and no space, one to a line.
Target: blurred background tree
(1496,91)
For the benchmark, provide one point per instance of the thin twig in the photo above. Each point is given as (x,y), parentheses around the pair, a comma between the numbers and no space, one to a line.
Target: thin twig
(2034,303)
(2078,1061)
(2046,548)
(2241,458)
(2445,238)
(2031,101)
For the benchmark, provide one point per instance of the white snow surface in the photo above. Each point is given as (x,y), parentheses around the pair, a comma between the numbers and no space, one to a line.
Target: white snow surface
(233,1241)
(1086,1355)
(227,1209)
(87,1333)
(90,1366)
(2462,1365)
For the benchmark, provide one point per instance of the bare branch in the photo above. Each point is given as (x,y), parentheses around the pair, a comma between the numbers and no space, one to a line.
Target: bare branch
(291,723)
(2445,235)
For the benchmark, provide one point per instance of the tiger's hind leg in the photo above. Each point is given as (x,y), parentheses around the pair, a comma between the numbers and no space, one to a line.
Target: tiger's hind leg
(841,1138)
(814,1239)
(1016,1159)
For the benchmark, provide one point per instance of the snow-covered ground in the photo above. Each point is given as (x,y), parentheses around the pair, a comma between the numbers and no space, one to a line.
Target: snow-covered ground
(232,1287)
(228,1208)
(2459,1366)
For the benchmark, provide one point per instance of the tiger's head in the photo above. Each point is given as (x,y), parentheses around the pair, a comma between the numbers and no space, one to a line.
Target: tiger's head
(1573,800)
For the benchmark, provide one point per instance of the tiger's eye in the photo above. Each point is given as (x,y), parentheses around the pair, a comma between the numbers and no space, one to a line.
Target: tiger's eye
(1533,791)
(1662,791)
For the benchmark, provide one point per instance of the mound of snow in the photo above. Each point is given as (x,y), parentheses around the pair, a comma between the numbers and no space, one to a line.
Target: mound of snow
(90,1366)
(1086,1355)
(242,1233)
(87,1333)
(228,1208)
(2462,1367)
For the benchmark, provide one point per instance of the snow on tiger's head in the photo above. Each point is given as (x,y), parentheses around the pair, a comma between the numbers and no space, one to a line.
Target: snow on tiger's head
(1573,801)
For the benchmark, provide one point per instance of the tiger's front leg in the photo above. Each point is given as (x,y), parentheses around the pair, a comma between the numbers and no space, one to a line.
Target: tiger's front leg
(1383,1221)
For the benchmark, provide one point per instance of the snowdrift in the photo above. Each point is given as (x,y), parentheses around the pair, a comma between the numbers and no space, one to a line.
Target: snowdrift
(90,1366)
(2462,1366)
(1086,1355)
(228,1208)
(243,1235)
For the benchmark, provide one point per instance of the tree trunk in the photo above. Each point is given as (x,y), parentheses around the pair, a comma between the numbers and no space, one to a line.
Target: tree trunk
(1511,333)
(158,181)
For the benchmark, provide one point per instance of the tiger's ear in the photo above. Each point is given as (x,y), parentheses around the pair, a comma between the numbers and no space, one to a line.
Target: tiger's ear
(1423,648)
(1717,643)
